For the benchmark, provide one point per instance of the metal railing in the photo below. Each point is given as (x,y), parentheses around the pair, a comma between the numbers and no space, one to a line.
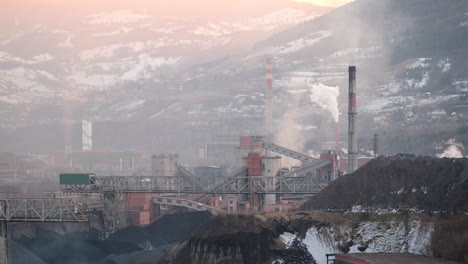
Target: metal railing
(40,210)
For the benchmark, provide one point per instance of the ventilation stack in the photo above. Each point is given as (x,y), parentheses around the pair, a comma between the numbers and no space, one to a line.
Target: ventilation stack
(87,135)
(352,136)
(269,97)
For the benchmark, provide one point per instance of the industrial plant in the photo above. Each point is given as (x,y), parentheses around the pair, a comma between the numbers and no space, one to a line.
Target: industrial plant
(254,132)
(132,188)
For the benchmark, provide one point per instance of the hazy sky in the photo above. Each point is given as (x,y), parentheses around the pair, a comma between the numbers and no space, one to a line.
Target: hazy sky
(327,2)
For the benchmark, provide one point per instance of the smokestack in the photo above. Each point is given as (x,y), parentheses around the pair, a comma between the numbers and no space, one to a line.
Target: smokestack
(87,135)
(352,136)
(269,97)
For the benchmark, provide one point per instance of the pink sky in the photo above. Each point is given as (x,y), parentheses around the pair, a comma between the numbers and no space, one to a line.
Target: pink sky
(180,5)
(44,10)
(333,3)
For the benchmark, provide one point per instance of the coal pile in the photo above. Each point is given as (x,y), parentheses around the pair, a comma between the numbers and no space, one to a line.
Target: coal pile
(130,245)
(166,230)
(400,182)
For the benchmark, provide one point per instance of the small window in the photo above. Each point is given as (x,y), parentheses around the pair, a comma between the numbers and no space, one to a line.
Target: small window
(231,202)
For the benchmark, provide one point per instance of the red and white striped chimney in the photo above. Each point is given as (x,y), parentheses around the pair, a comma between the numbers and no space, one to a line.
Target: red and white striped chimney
(269,97)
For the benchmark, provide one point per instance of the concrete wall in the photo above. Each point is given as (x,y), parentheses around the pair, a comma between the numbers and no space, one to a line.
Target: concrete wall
(271,167)
(232,204)
(164,165)
(3,251)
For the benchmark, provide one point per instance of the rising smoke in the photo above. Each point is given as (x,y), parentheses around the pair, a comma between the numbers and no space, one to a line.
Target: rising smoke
(326,97)
(287,133)
(453,150)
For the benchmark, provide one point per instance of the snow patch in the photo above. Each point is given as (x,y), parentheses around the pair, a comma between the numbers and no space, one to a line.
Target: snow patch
(7,57)
(13,37)
(463,24)
(287,238)
(68,37)
(213,30)
(116,32)
(319,244)
(371,237)
(275,19)
(297,91)
(302,43)
(164,110)
(453,150)
(135,46)
(129,106)
(461,85)
(445,65)
(120,16)
(420,63)
(146,65)
(47,75)
(43,57)
(9,100)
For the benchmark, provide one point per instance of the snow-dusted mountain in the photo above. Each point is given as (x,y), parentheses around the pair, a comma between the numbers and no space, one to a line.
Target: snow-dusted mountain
(207,74)
(42,59)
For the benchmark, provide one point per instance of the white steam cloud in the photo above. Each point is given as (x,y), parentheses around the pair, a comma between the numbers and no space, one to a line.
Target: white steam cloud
(454,150)
(326,97)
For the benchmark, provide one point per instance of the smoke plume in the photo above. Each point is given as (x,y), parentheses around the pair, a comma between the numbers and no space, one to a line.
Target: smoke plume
(326,97)
(454,150)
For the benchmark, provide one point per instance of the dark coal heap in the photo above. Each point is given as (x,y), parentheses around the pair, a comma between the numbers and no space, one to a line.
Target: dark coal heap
(129,245)
(418,183)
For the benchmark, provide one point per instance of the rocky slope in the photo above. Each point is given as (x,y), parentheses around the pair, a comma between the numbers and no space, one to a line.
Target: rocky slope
(402,204)
(305,237)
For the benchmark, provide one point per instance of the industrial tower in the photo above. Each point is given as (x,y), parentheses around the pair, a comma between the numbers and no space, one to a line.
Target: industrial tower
(352,113)
(269,97)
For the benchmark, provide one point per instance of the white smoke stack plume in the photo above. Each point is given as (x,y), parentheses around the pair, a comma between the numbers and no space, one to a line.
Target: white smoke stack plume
(326,97)
(454,150)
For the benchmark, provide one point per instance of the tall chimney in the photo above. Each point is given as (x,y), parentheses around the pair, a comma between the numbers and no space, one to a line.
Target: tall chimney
(352,137)
(87,135)
(269,97)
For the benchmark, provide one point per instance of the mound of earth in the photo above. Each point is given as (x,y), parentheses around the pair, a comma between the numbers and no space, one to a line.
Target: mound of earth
(129,245)
(399,182)
(168,229)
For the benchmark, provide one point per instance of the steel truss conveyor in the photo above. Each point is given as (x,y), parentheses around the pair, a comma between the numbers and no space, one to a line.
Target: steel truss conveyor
(197,185)
(39,210)
(17,210)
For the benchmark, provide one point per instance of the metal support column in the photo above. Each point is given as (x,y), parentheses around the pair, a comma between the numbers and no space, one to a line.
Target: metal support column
(114,212)
(4,243)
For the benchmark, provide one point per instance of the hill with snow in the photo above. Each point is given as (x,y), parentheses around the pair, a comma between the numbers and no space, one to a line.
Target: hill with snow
(43,58)
(200,76)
